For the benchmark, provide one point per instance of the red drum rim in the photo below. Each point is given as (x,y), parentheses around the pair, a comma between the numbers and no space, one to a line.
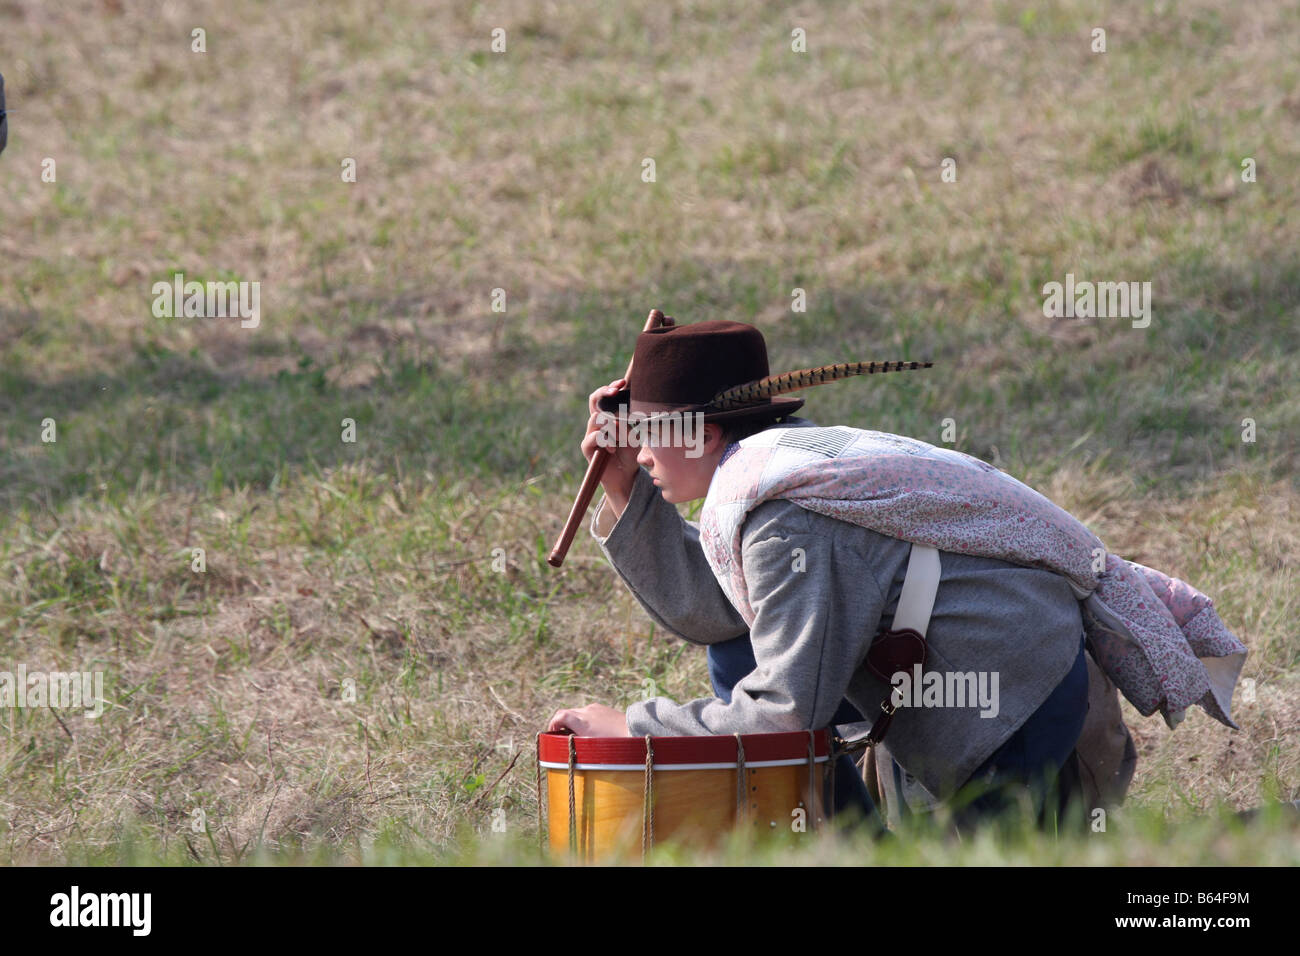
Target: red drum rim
(681,753)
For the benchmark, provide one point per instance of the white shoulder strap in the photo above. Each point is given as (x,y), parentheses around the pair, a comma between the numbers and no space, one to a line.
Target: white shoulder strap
(919,588)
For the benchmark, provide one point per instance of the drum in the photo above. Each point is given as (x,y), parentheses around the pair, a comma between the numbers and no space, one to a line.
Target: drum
(608,796)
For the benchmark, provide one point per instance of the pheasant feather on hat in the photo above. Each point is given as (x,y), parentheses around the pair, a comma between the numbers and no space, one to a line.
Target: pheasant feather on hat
(753,392)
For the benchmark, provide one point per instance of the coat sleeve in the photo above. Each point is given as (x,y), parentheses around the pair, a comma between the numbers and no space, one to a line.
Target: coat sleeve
(658,555)
(817,606)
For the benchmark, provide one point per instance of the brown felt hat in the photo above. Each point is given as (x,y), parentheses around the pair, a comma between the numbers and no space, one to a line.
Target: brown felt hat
(681,368)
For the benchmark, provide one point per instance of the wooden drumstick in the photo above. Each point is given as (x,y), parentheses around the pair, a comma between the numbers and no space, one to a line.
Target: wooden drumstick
(595,469)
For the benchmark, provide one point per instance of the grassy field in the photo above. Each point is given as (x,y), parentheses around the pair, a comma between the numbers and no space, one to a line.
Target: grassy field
(409,565)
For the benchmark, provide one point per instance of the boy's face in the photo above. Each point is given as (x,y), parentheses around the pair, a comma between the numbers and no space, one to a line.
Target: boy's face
(682,470)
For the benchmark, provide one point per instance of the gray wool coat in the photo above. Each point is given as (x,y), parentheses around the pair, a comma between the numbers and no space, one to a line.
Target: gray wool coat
(813,626)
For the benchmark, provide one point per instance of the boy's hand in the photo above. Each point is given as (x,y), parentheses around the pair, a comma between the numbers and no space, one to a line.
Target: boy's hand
(594,720)
(620,474)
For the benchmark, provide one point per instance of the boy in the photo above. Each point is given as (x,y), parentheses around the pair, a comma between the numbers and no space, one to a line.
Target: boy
(787,583)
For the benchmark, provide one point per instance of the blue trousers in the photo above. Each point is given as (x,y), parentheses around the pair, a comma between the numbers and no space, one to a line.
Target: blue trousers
(1037,756)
